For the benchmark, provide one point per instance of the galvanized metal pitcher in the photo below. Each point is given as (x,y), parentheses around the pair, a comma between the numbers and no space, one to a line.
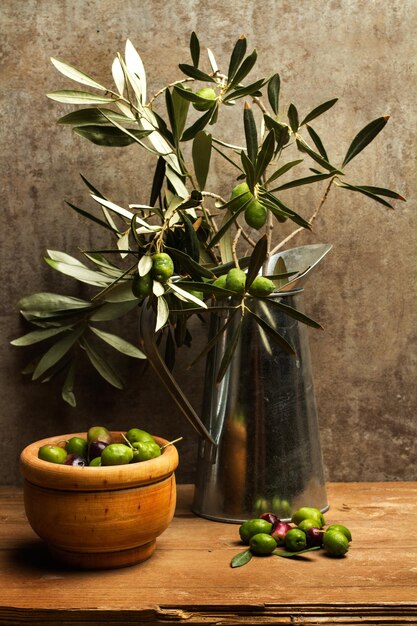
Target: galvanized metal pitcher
(265,452)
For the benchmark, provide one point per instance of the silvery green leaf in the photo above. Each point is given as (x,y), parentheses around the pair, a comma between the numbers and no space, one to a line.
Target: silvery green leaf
(112,310)
(80,273)
(56,352)
(119,344)
(120,292)
(144,265)
(181,107)
(225,243)
(241,558)
(176,182)
(67,392)
(123,244)
(91,116)
(162,314)
(126,110)
(158,289)
(102,262)
(134,136)
(50,302)
(67,96)
(118,75)
(38,335)
(163,148)
(56,255)
(187,295)
(136,68)
(102,366)
(212,61)
(201,153)
(113,207)
(74,74)
(109,136)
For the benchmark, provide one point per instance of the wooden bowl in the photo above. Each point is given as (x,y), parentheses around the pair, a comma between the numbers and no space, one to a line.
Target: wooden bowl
(99,517)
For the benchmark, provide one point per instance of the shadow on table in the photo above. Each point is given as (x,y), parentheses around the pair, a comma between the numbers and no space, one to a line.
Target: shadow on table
(33,555)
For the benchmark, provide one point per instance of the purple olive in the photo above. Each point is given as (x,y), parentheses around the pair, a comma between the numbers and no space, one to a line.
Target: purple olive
(279,530)
(76,460)
(314,537)
(95,448)
(270,517)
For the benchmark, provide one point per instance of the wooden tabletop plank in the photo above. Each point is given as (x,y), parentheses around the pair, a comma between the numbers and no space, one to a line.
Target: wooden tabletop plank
(189,578)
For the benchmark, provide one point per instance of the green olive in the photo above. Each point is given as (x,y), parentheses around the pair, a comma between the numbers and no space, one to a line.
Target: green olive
(98,432)
(53,454)
(116,454)
(136,434)
(145,451)
(77,445)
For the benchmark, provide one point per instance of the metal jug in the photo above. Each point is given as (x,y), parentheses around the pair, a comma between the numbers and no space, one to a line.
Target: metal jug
(262,416)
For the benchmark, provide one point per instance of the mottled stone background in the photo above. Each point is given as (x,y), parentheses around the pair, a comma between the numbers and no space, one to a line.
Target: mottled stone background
(362,51)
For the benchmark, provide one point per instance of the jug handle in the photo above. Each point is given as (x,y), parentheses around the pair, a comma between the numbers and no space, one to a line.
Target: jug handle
(147,320)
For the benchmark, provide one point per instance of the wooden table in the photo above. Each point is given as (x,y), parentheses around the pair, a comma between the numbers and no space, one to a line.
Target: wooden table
(189,579)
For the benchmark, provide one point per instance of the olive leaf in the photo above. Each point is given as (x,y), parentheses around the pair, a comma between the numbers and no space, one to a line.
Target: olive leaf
(71,72)
(244,69)
(257,259)
(237,57)
(273,333)
(67,392)
(123,346)
(91,217)
(101,364)
(364,137)
(109,136)
(36,336)
(317,142)
(191,131)
(265,155)
(293,118)
(370,194)
(251,133)
(322,108)
(229,351)
(194,72)
(92,116)
(241,558)
(57,351)
(201,153)
(66,96)
(290,555)
(274,85)
(294,313)
(195,49)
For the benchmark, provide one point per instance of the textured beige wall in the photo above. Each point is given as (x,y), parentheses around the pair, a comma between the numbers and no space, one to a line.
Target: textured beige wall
(364,52)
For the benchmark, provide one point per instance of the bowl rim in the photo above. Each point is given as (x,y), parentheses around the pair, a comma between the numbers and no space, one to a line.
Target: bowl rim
(104,478)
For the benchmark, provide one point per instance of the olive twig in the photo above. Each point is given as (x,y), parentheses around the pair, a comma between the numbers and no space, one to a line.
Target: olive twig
(170,443)
(313,217)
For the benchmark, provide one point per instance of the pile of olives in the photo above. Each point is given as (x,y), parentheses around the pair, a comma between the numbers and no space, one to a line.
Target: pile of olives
(267,532)
(97,448)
